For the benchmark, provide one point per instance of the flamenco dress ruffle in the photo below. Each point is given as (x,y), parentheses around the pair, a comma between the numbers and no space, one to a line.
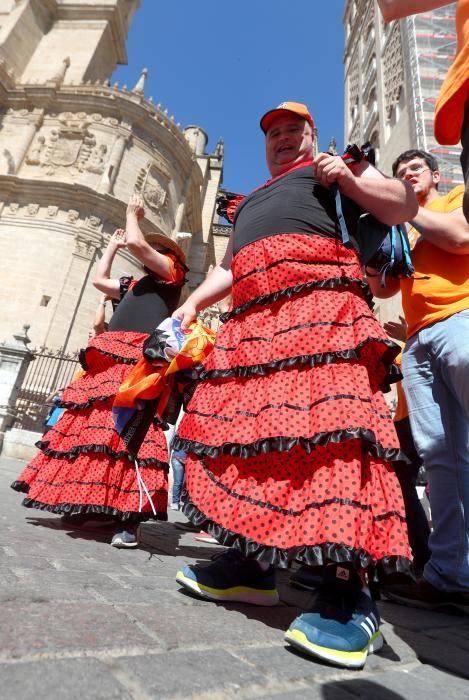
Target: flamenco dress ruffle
(83,465)
(289,437)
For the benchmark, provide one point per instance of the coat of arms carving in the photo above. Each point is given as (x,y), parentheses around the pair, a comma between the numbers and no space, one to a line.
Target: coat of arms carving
(71,145)
(152,184)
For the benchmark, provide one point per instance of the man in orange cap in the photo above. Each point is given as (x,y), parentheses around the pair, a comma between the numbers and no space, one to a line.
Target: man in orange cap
(452,107)
(288,435)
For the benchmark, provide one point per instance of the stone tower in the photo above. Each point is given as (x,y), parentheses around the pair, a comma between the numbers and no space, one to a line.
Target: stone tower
(72,150)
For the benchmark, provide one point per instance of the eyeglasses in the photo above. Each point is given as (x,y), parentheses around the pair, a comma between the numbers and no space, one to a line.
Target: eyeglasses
(413,169)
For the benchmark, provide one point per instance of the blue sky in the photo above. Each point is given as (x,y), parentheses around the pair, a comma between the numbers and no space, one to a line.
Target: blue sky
(222,65)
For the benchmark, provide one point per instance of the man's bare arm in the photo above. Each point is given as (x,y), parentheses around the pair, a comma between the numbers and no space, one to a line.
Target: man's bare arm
(446,230)
(395,9)
(215,287)
(389,200)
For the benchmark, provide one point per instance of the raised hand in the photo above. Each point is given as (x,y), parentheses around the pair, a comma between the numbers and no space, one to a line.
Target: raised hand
(136,207)
(118,238)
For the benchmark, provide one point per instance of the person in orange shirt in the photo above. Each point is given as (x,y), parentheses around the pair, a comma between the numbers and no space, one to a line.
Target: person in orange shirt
(436,375)
(452,107)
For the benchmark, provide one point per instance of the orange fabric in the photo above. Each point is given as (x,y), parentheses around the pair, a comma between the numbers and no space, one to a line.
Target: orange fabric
(401,409)
(449,111)
(147,381)
(176,270)
(440,286)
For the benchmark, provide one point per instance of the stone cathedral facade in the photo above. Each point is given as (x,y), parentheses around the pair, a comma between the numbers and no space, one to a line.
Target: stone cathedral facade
(73,148)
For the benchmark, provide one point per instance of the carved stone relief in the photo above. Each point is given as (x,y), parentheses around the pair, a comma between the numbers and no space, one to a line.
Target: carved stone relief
(152,184)
(34,155)
(70,146)
(32,209)
(94,221)
(84,248)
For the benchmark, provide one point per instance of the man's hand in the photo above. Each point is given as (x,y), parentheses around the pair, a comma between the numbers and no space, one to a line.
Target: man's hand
(135,207)
(396,329)
(186,314)
(329,169)
(118,238)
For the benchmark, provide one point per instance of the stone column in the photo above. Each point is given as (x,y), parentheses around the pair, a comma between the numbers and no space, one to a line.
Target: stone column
(15,357)
(112,167)
(27,135)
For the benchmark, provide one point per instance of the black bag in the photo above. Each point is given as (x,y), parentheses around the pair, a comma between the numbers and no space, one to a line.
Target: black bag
(385,248)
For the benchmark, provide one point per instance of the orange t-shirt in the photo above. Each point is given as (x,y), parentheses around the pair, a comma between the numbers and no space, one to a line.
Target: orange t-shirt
(449,111)
(440,286)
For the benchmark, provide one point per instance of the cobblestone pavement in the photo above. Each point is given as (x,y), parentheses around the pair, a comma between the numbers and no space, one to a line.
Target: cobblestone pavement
(82,619)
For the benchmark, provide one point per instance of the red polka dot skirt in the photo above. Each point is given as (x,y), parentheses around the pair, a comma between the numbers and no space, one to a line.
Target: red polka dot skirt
(290,442)
(83,465)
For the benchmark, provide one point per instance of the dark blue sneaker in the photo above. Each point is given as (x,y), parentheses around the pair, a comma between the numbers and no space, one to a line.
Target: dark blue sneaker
(341,629)
(231,577)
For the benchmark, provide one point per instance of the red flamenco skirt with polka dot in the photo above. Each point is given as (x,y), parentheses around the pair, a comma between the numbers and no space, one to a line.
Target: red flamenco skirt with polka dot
(290,442)
(83,465)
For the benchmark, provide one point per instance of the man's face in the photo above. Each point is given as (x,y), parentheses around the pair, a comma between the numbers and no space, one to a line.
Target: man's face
(288,140)
(420,176)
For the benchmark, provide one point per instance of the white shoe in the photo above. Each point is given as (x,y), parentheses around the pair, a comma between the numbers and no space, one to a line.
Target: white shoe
(124,540)
(174,506)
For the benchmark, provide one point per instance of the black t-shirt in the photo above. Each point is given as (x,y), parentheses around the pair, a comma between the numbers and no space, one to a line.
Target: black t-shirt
(145,305)
(293,203)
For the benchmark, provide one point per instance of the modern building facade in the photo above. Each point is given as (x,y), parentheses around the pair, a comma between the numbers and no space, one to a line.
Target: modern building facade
(393,75)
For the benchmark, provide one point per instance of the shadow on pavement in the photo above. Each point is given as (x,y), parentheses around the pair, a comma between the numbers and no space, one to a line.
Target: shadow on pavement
(439,638)
(368,690)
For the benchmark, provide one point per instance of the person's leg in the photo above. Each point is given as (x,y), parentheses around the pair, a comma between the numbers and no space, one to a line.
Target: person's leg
(417,523)
(178,467)
(436,382)
(465,158)
(343,624)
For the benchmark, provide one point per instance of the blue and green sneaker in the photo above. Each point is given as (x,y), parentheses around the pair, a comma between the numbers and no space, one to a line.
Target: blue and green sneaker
(231,577)
(340,628)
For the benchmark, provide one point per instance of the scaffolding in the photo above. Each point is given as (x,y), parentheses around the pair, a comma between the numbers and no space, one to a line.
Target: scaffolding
(431,40)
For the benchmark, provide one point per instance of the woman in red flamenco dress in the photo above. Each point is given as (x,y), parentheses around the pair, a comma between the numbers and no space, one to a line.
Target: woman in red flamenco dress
(290,443)
(84,470)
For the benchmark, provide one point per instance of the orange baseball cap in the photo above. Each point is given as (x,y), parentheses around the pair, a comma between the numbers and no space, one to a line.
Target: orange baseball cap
(295,107)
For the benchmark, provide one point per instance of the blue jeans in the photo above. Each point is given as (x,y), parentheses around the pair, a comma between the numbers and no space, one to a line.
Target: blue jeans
(178,465)
(435,365)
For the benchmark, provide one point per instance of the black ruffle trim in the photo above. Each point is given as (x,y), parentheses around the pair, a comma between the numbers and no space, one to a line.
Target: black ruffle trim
(289,292)
(78,509)
(285,444)
(20,486)
(118,358)
(82,406)
(98,449)
(313,555)
(393,373)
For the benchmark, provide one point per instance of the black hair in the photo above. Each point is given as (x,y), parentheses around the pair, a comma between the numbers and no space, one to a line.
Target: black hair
(430,160)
